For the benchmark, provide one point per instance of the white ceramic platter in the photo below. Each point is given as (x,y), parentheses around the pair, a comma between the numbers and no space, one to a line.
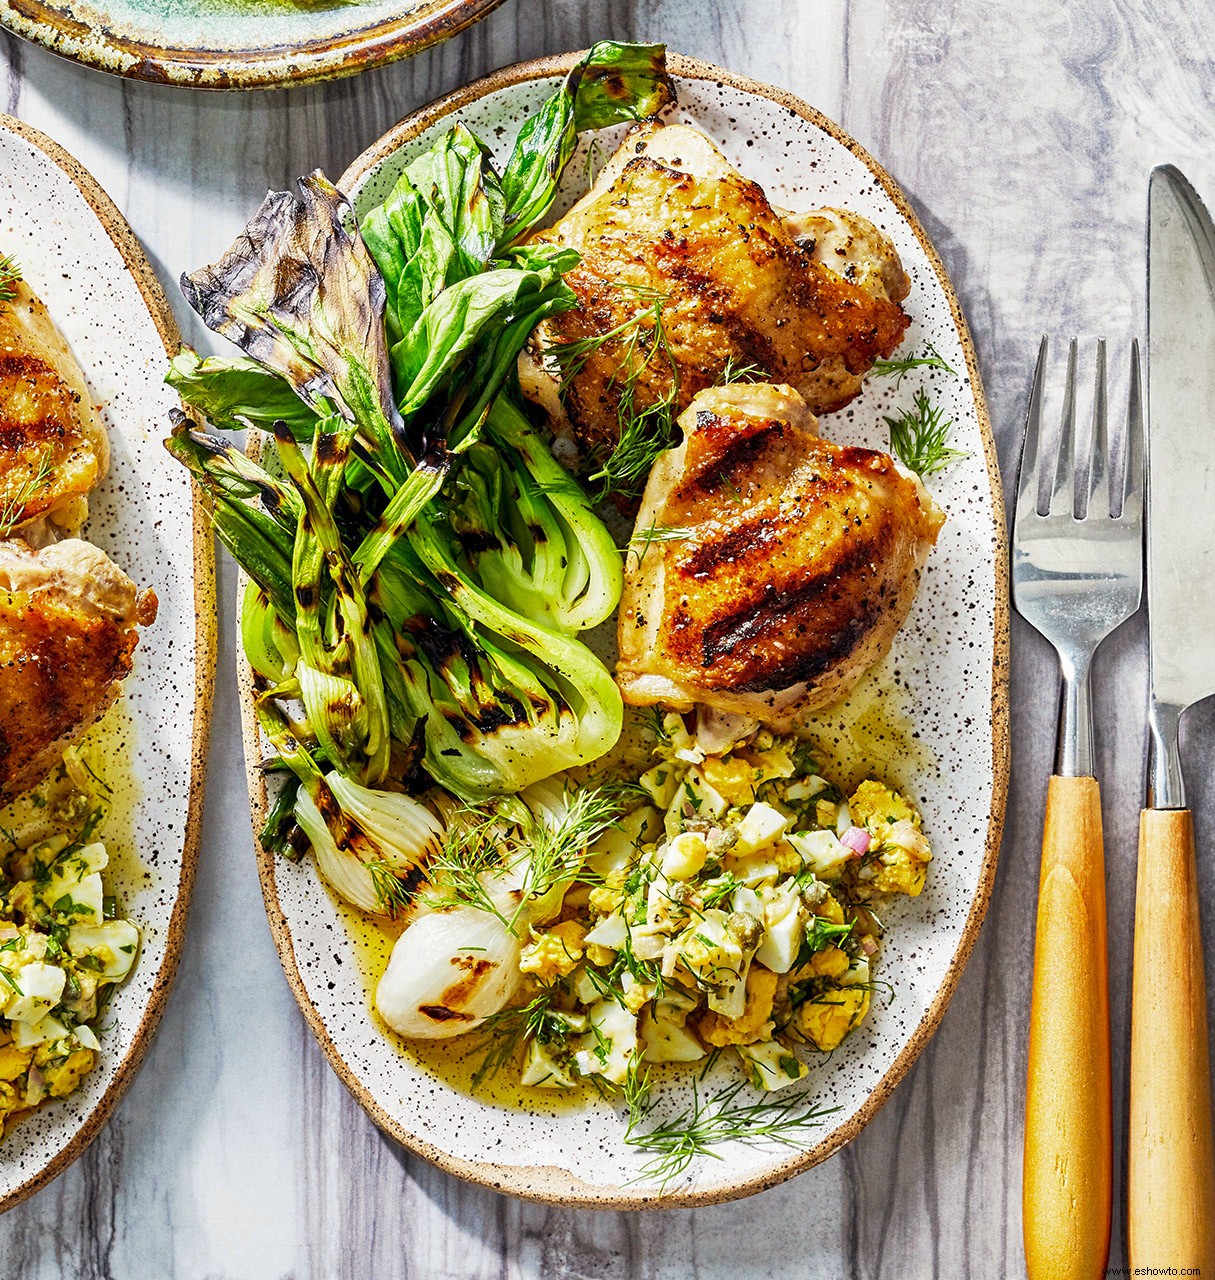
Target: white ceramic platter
(79,255)
(933,719)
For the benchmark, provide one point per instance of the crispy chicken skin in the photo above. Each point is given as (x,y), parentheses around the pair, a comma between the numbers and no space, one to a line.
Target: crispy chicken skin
(67,631)
(53,445)
(810,301)
(800,562)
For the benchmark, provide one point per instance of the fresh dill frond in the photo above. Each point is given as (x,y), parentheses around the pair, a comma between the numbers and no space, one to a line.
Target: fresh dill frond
(11,513)
(919,437)
(471,851)
(706,1124)
(507,1032)
(899,369)
(635,1091)
(732,372)
(653,721)
(10,274)
(643,432)
(720,890)
(554,850)
(643,539)
(535,854)
(390,893)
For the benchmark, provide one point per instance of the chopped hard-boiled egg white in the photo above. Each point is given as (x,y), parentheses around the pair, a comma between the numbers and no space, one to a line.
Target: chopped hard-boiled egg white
(728,911)
(58,952)
(761,827)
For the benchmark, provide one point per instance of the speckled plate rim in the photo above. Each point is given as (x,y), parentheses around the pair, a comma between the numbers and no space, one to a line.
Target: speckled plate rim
(277,66)
(551,1185)
(116,227)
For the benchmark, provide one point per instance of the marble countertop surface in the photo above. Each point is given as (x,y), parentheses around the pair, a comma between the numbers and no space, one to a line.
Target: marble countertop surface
(1023,132)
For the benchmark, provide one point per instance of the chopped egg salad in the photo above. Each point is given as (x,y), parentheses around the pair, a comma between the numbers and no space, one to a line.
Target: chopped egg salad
(63,947)
(708,904)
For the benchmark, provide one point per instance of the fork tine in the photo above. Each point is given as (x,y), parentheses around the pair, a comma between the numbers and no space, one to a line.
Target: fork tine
(1132,491)
(1098,465)
(1063,496)
(1027,473)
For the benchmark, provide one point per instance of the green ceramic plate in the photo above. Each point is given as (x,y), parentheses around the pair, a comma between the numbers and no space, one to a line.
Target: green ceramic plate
(238,44)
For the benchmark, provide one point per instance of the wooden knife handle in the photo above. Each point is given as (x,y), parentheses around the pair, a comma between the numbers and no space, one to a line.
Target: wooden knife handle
(1170,1174)
(1066,1179)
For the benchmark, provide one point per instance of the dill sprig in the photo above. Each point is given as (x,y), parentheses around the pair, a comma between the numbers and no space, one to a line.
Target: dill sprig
(507,1032)
(707,1123)
(13,510)
(390,893)
(732,372)
(10,274)
(643,432)
(532,854)
(635,1091)
(919,437)
(643,539)
(899,369)
(471,852)
(554,850)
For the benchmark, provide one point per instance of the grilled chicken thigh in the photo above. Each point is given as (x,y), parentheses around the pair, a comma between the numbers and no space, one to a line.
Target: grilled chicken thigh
(809,300)
(67,630)
(795,563)
(53,445)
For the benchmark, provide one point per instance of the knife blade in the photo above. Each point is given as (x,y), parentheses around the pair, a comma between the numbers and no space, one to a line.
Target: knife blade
(1181,461)
(1170,1156)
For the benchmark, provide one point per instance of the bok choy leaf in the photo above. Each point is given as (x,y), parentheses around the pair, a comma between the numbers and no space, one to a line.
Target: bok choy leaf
(613,84)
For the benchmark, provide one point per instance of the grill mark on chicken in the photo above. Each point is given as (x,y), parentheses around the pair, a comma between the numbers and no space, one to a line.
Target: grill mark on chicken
(53,447)
(745,641)
(720,470)
(796,562)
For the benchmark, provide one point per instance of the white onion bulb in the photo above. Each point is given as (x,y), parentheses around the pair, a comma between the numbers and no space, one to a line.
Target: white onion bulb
(449,971)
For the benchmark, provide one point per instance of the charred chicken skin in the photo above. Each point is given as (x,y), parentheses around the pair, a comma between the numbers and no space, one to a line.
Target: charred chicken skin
(807,300)
(53,445)
(67,632)
(770,567)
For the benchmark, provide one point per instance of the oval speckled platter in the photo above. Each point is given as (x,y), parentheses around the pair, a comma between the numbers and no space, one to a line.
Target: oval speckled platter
(933,718)
(79,255)
(238,44)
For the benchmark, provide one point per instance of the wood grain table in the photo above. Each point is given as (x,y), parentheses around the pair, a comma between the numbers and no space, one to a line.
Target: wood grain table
(1023,131)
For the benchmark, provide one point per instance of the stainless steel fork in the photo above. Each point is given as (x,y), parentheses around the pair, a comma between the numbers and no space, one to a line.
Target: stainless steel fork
(1077,574)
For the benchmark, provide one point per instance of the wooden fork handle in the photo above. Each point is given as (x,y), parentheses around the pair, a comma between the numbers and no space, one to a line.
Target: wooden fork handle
(1066,1179)
(1170,1178)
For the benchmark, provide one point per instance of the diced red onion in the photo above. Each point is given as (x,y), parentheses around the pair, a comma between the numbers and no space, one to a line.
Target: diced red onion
(869,945)
(857,839)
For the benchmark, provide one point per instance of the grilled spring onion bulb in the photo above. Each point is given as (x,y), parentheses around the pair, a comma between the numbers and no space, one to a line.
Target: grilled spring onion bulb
(502,870)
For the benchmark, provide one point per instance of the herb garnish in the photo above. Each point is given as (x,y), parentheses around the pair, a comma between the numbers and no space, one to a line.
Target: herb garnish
(643,432)
(13,510)
(899,369)
(919,437)
(545,850)
(507,1032)
(705,1124)
(10,274)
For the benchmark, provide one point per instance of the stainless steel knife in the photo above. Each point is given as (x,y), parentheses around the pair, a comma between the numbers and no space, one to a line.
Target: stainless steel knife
(1171,1172)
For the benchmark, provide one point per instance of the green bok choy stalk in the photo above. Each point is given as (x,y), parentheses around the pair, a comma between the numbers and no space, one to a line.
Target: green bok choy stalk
(420,564)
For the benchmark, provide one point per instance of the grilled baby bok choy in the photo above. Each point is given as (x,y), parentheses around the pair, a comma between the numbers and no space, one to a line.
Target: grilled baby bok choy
(421,566)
